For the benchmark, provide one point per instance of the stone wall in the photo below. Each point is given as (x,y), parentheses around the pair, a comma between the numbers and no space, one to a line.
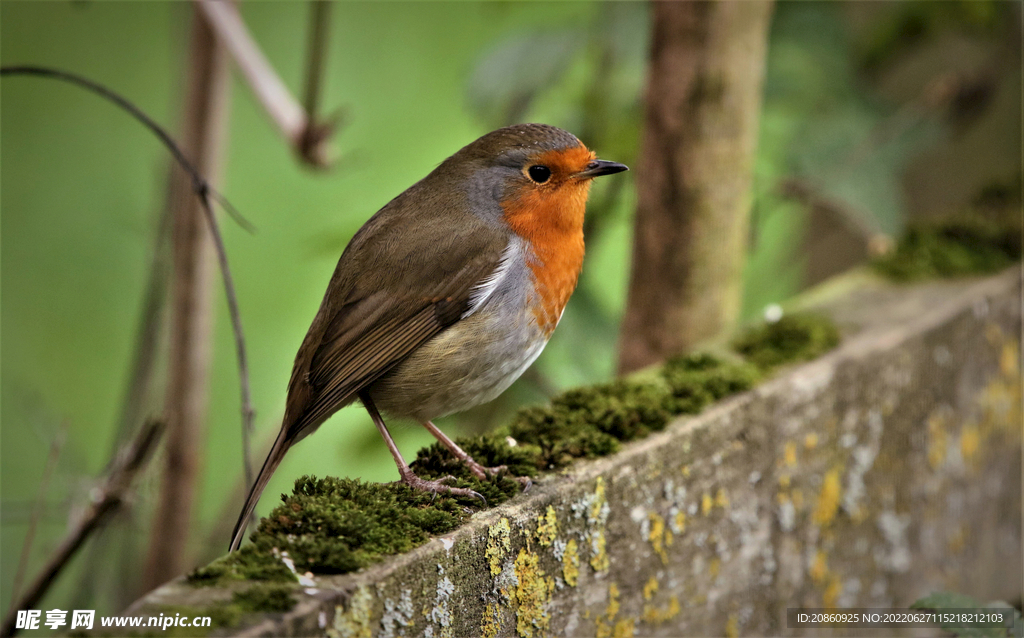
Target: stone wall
(883,471)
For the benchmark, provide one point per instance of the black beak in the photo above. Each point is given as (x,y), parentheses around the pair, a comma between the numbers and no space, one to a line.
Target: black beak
(597,168)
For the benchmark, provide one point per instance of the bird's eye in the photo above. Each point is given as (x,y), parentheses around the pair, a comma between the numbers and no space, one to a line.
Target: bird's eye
(539,173)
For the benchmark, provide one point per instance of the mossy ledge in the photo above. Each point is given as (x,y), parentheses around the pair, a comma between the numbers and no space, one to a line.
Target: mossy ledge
(334,526)
(866,477)
(954,248)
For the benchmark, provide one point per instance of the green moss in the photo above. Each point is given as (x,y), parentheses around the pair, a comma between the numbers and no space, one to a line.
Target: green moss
(339,525)
(491,450)
(795,337)
(954,249)
(593,421)
(245,564)
(265,597)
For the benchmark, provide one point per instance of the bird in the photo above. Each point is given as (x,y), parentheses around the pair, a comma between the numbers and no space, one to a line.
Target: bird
(446,295)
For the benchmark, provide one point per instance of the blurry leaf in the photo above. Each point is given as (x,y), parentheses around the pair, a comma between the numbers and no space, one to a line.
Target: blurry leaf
(510,75)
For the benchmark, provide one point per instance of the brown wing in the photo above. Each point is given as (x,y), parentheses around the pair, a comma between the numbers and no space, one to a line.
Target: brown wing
(399,298)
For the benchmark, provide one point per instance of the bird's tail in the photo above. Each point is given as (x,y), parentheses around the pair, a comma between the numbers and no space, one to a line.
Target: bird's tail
(281,445)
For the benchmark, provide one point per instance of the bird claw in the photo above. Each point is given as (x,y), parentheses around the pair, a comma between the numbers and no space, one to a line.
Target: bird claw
(440,485)
(482,473)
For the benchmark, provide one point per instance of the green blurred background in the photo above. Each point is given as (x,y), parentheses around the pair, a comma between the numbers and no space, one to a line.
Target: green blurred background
(858,112)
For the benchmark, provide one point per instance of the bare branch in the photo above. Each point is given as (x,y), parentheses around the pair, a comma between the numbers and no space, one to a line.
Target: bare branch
(313,145)
(205,193)
(199,183)
(284,110)
(104,500)
(236,322)
(203,127)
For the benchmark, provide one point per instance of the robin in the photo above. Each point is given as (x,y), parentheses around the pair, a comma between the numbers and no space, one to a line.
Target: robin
(446,295)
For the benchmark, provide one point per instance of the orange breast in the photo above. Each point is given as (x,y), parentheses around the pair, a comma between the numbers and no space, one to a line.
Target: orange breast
(551,220)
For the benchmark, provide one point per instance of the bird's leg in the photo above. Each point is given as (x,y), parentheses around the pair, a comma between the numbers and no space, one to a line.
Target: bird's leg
(478,470)
(404,471)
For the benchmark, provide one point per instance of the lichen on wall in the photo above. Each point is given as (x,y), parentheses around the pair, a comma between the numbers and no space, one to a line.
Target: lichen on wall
(859,479)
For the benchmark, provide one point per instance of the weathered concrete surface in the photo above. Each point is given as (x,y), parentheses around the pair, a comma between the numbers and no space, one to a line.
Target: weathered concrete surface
(886,470)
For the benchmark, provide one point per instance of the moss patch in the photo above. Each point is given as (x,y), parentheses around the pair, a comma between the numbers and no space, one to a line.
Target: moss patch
(492,450)
(339,525)
(593,421)
(953,249)
(795,337)
(265,597)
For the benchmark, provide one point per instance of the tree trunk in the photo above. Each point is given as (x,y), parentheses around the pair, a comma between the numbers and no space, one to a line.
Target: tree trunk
(694,176)
(202,138)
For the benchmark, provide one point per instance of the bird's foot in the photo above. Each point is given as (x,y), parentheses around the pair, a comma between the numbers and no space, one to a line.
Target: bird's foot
(440,487)
(482,473)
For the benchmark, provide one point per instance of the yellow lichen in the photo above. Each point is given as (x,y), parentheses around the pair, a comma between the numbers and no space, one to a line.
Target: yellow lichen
(832,591)
(686,471)
(655,616)
(659,536)
(499,541)
(547,527)
(354,622)
(599,553)
(596,515)
(819,567)
(715,566)
(625,628)
(721,498)
(680,521)
(599,498)
(789,454)
(732,626)
(811,441)
(571,563)
(1009,361)
(604,627)
(970,442)
(1001,399)
(490,624)
(612,609)
(828,499)
(784,481)
(531,595)
(651,588)
(936,440)
(706,503)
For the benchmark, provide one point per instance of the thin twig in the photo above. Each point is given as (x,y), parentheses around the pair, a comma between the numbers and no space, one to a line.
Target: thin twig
(37,510)
(236,322)
(103,501)
(147,335)
(319,19)
(312,146)
(205,193)
(199,183)
(270,90)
